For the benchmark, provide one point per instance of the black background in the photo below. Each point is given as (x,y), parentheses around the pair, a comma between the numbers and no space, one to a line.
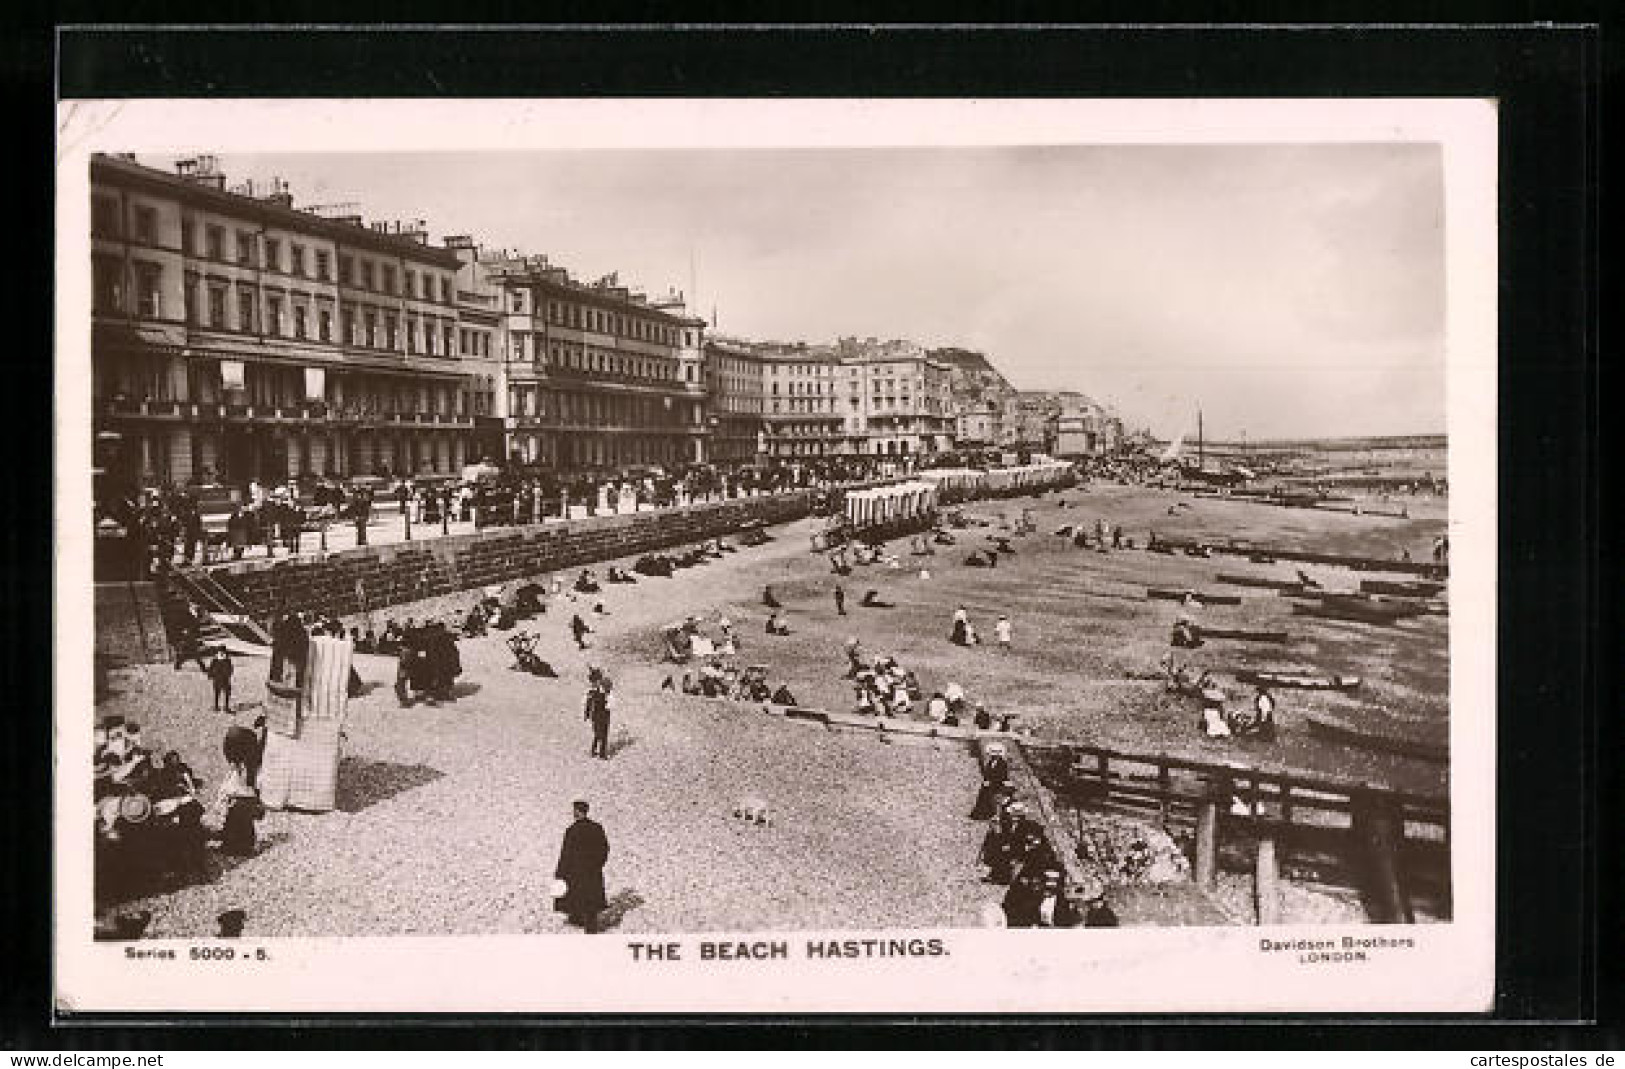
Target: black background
(1557,755)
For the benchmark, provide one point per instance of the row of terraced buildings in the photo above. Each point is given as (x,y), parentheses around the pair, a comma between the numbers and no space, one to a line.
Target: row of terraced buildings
(236,336)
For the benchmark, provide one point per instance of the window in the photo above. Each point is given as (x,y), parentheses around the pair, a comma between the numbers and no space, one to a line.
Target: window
(104,217)
(245,246)
(298,264)
(445,291)
(273,315)
(146,224)
(518,301)
(428,288)
(322,265)
(108,282)
(350,335)
(389,279)
(389,331)
(324,325)
(412,334)
(215,239)
(347,270)
(217,307)
(372,328)
(451,346)
(299,321)
(366,274)
(245,308)
(273,254)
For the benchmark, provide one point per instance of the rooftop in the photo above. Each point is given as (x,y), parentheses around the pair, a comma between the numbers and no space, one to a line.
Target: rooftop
(197,179)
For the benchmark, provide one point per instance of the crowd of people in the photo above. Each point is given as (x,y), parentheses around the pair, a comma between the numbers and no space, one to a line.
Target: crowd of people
(151,823)
(1017,854)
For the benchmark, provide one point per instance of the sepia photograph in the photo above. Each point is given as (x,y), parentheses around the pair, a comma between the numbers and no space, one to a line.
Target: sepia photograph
(776,555)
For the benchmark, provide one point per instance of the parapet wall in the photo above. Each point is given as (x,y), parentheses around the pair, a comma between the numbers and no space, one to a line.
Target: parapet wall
(409,571)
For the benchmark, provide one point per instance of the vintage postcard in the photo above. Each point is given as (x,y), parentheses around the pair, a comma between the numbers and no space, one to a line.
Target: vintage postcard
(974,556)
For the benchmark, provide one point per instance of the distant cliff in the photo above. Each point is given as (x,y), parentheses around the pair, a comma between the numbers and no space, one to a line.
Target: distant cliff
(973,374)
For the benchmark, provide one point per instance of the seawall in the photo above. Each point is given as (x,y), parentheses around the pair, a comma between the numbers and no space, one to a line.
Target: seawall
(374,577)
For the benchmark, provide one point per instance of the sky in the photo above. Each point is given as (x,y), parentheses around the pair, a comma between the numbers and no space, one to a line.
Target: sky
(1287,291)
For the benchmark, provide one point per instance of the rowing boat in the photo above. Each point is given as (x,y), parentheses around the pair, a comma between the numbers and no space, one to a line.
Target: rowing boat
(1168,594)
(1419,588)
(1296,680)
(1335,730)
(1240,634)
(1258,581)
(1365,612)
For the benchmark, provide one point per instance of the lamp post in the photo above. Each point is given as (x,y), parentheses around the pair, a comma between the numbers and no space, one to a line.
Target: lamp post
(406,516)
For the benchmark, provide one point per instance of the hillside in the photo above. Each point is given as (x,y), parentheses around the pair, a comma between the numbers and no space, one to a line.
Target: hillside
(972,371)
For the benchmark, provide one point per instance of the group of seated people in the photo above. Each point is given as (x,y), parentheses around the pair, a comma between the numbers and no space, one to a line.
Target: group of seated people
(949,708)
(885,689)
(688,639)
(505,611)
(873,553)
(663,564)
(719,678)
(1221,721)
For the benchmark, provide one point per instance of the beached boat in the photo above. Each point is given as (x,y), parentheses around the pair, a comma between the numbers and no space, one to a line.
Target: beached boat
(1169,594)
(1296,680)
(1258,581)
(1418,588)
(1360,611)
(1241,634)
(1335,730)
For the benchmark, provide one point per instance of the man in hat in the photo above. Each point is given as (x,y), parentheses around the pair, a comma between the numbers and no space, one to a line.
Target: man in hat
(1021,903)
(840,600)
(220,670)
(995,776)
(597,711)
(1000,843)
(581,867)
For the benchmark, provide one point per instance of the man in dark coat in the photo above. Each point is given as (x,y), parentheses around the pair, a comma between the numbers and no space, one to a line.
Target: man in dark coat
(995,776)
(581,867)
(220,671)
(597,711)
